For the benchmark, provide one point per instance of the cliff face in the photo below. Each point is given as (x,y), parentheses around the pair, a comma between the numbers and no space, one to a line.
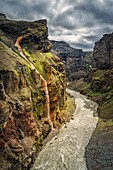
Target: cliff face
(103,52)
(74,59)
(99,87)
(23,114)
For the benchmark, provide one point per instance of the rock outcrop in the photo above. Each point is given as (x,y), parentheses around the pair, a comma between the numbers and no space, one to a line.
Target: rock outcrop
(23,113)
(103,52)
(75,60)
(99,87)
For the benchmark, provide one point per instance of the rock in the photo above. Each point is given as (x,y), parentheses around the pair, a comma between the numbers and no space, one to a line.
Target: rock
(99,87)
(70,56)
(34,33)
(103,53)
(23,115)
(76,61)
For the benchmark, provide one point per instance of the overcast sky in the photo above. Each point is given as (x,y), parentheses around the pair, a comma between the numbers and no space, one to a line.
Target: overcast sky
(77,22)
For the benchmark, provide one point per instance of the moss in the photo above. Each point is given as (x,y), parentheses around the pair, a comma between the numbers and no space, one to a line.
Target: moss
(26,53)
(70,104)
(39,111)
(85,89)
(39,142)
(28,75)
(104,124)
(38,59)
(99,74)
(25,93)
(65,115)
(106,109)
(15,72)
(92,93)
(55,119)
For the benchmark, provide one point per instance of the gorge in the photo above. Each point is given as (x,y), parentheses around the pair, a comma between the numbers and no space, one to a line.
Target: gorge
(66,150)
(35,101)
(98,86)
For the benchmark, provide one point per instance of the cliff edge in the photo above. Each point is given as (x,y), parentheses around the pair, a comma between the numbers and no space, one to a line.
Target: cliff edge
(24,121)
(99,87)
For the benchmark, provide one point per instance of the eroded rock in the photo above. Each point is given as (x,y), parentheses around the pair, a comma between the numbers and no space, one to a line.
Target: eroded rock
(23,122)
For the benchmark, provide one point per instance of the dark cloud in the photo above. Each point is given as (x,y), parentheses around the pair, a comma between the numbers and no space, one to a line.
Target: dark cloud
(90,37)
(80,22)
(100,10)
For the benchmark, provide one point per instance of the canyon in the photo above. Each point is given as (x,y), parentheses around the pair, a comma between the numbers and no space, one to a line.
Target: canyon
(66,150)
(34,103)
(98,86)
(77,62)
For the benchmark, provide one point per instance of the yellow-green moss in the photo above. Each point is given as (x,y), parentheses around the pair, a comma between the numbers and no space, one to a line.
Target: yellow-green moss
(38,59)
(70,104)
(104,123)
(106,109)
(15,72)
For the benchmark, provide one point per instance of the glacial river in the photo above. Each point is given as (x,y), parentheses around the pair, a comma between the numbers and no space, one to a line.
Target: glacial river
(66,150)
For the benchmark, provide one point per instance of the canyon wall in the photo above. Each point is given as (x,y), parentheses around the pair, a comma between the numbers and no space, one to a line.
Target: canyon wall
(77,62)
(24,121)
(99,87)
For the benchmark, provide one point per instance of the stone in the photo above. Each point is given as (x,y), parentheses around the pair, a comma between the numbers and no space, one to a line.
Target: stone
(99,87)
(22,97)
(76,62)
(103,53)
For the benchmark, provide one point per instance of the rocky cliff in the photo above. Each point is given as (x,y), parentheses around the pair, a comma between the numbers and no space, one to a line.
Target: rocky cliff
(75,60)
(25,73)
(103,52)
(99,87)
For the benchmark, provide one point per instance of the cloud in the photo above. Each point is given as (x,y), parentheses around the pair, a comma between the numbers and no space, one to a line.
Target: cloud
(79,23)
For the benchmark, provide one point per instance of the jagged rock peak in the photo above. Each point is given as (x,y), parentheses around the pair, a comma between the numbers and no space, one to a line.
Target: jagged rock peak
(72,57)
(61,47)
(103,52)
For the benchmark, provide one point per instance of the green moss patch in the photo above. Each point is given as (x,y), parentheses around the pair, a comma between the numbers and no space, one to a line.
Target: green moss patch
(104,125)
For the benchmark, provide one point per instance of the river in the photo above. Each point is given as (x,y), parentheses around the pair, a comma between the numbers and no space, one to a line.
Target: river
(66,150)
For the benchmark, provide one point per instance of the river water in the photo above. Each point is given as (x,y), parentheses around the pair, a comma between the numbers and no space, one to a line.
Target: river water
(66,150)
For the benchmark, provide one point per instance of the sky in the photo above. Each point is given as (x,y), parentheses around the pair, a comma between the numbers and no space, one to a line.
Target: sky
(78,22)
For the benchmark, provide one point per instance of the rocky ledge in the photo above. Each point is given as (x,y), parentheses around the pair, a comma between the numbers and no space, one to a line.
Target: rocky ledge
(23,115)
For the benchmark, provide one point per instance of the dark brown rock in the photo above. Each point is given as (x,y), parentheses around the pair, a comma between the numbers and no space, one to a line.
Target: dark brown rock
(99,88)
(35,33)
(70,56)
(76,62)
(103,52)
(23,115)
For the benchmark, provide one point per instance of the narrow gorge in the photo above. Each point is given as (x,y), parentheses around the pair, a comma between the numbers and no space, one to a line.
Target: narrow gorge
(66,151)
(44,125)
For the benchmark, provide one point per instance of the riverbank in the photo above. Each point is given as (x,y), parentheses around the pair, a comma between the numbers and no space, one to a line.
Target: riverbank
(66,117)
(66,150)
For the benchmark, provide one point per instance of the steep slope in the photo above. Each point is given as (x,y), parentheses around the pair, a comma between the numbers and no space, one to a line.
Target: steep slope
(99,152)
(77,63)
(73,59)
(24,75)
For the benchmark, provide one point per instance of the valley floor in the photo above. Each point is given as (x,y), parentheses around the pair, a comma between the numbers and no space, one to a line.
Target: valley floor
(66,150)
